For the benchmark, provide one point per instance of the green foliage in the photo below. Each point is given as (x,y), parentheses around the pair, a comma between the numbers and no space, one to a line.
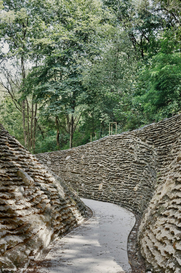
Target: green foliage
(159,85)
(85,63)
(162,97)
(11,118)
(57,84)
(112,79)
(47,144)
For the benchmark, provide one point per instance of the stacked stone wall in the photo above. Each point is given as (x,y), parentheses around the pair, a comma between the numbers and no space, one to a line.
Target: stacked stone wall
(117,169)
(141,171)
(35,206)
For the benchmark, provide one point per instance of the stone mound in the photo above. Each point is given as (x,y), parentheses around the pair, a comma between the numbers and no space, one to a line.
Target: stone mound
(35,206)
(160,229)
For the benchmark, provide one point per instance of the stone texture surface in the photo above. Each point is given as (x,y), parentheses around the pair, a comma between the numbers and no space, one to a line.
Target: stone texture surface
(35,206)
(139,170)
(118,169)
(160,230)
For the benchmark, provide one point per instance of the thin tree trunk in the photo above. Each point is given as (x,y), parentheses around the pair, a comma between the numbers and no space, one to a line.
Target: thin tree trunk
(71,131)
(24,123)
(41,131)
(28,123)
(32,125)
(68,124)
(58,133)
(35,125)
(23,103)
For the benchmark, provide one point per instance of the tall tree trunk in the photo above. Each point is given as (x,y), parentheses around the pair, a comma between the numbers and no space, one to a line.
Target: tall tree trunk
(58,133)
(28,124)
(35,125)
(71,131)
(23,103)
(32,125)
(24,123)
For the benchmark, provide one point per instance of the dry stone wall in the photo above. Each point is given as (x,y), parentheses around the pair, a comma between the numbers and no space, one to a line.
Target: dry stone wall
(35,206)
(118,169)
(141,171)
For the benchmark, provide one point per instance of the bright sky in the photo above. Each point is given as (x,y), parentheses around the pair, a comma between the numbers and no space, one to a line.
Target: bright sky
(4,47)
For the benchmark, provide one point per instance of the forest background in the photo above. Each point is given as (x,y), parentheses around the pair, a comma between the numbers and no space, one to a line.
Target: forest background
(73,66)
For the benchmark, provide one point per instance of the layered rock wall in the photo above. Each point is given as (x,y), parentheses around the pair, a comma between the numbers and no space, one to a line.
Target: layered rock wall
(35,206)
(139,170)
(160,229)
(118,169)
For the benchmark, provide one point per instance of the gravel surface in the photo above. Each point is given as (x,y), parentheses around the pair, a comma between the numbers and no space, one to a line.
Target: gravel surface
(98,245)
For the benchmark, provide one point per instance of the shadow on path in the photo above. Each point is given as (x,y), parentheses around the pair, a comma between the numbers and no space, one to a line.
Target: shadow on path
(98,245)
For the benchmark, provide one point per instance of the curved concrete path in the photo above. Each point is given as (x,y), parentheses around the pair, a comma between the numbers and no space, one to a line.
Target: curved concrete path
(99,245)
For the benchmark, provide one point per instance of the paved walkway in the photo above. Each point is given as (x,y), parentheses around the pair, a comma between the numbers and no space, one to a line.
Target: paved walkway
(97,246)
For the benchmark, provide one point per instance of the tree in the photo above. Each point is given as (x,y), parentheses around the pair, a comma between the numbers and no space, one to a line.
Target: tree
(16,29)
(159,91)
(78,65)
(72,40)
(170,11)
(140,21)
(112,77)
